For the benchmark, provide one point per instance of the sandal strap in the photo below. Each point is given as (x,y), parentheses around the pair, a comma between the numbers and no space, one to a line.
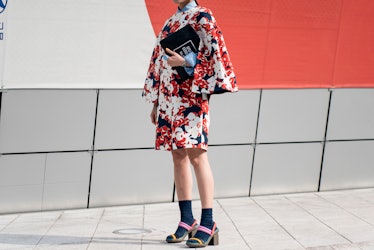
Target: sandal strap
(186,226)
(207,230)
(173,236)
(198,240)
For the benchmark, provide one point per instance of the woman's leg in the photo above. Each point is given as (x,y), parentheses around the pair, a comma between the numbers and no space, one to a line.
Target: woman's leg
(183,184)
(182,174)
(205,183)
(204,176)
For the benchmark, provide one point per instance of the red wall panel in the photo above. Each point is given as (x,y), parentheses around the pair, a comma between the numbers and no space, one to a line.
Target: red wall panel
(292,43)
(355,50)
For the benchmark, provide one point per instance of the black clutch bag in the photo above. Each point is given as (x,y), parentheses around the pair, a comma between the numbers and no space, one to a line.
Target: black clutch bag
(183,41)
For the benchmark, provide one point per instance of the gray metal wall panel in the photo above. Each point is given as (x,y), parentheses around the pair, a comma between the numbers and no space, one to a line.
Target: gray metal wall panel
(351,114)
(47,120)
(20,170)
(35,182)
(123,120)
(348,165)
(27,198)
(66,180)
(21,182)
(131,177)
(286,168)
(293,115)
(50,120)
(65,195)
(231,166)
(234,117)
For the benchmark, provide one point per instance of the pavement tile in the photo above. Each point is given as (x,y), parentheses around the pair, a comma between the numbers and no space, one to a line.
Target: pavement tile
(352,204)
(256,227)
(338,220)
(320,248)
(62,247)
(304,227)
(367,245)
(342,222)
(345,247)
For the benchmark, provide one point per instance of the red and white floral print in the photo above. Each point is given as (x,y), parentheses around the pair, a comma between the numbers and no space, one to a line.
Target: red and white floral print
(183,110)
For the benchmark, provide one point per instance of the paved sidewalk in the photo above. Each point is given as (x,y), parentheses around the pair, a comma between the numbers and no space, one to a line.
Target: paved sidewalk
(325,220)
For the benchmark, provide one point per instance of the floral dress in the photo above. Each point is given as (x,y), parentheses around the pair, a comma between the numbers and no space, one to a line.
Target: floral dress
(183,109)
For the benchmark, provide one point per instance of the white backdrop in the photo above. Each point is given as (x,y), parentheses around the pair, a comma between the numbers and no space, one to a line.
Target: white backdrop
(77,44)
(3,28)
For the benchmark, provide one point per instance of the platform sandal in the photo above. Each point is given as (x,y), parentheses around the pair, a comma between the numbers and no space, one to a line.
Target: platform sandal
(212,240)
(190,231)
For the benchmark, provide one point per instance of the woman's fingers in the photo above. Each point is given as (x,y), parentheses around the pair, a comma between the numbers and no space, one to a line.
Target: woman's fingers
(153,118)
(153,115)
(170,52)
(174,58)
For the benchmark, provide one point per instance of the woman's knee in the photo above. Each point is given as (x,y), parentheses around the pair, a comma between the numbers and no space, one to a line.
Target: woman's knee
(197,157)
(179,155)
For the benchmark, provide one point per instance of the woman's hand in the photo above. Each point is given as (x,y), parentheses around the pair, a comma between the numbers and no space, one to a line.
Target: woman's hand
(153,114)
(175,60)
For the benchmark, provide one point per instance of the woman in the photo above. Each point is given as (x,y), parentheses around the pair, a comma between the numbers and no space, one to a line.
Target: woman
(181,113)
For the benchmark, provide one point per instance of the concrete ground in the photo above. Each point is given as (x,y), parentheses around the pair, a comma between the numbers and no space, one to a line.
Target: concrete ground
(324,220)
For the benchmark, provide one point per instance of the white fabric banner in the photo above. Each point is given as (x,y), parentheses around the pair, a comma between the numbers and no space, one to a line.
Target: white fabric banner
(3,38)
(77,44)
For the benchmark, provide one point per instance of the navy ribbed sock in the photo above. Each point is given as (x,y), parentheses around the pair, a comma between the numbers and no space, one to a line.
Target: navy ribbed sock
(185,208)
(206,221)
